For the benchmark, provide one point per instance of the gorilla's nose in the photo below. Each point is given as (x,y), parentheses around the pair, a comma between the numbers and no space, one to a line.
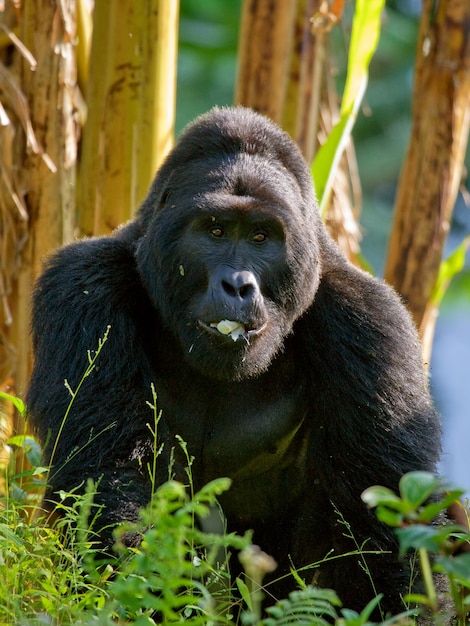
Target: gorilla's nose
(239,284)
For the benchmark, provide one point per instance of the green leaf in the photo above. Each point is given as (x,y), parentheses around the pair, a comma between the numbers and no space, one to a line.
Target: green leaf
(417,487)
(307,606)
(364,39)
(212,489)
(39,470)
(417,598)
(448,269)
(430,511)
(367,611)
(420,536)
(30,447)
(17,403)
(458,566)
(245,593)
(391,518)
(7,535)
(378,495)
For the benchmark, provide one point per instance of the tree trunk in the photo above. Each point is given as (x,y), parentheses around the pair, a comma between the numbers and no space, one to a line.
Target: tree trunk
(264,55)
(432,169)
(131,108)
(301,112)
(47,171)
(37,163)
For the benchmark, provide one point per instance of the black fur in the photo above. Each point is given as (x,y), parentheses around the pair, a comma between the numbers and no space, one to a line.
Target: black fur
(327,399)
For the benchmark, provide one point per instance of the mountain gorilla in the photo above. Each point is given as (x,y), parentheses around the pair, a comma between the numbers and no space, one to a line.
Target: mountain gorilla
(280,364)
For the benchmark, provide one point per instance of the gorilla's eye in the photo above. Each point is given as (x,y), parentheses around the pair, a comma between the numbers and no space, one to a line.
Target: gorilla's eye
(259,237)
(217,231)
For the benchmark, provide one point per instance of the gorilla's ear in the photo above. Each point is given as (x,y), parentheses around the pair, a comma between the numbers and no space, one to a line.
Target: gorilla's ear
(164,198)
(156,198)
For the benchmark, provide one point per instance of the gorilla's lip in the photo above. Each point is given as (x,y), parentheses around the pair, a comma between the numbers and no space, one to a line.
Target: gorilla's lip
(250,331)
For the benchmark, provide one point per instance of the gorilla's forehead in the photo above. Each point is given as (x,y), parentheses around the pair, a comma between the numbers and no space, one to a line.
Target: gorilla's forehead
(244,179)
(257,207)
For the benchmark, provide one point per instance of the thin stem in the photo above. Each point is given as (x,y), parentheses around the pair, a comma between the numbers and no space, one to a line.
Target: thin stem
(427,577)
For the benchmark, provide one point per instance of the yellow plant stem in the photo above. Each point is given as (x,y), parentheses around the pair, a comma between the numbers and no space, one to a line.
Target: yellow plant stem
(131,105)
(427,578)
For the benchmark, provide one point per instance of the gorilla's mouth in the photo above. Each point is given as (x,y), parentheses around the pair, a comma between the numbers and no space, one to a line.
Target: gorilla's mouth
(232,329)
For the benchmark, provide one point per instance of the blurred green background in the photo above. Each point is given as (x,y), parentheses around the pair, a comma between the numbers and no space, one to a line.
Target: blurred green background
(207,66)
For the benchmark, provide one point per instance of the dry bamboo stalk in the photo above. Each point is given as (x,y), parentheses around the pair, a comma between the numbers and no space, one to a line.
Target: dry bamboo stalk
(302,105)
(264,55)
(131,105)
(433,166)
(163,106)
(47,32)
(84,34)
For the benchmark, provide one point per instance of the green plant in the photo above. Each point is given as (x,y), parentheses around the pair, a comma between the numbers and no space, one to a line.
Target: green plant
(306,606)
(49,574)
(422,498)
(43,573)
(92,358)
(180,573)
(26,486)
(175,573)
(364,39)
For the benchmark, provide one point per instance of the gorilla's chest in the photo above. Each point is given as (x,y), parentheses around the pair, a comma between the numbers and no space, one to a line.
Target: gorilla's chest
(251,430)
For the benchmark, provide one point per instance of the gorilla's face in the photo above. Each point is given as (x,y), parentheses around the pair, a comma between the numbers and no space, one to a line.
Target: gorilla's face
(230,262)
(232,254)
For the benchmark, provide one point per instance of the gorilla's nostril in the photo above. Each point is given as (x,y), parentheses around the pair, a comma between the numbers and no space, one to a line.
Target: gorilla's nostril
(239,284)
(230,289)
(246,290)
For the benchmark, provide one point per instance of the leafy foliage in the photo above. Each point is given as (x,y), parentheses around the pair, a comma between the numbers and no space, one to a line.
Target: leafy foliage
(307,606)
(176,567)
(54,574)
(364,40)
(423,498)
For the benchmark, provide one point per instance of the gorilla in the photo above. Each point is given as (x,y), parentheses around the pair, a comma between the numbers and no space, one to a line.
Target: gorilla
(280,364)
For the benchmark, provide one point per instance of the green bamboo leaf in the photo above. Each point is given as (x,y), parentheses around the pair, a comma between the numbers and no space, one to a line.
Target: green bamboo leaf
(364,38)
(17,403)
(448,269)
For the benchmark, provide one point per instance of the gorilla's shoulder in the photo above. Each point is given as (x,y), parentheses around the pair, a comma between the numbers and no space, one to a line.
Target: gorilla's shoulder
(362,313)
(87,274)
(89,262)
(349,288)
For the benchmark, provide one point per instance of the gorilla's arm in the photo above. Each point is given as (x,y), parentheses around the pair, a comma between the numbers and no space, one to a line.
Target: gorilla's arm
(87,287)
(372,420)
(372,391)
